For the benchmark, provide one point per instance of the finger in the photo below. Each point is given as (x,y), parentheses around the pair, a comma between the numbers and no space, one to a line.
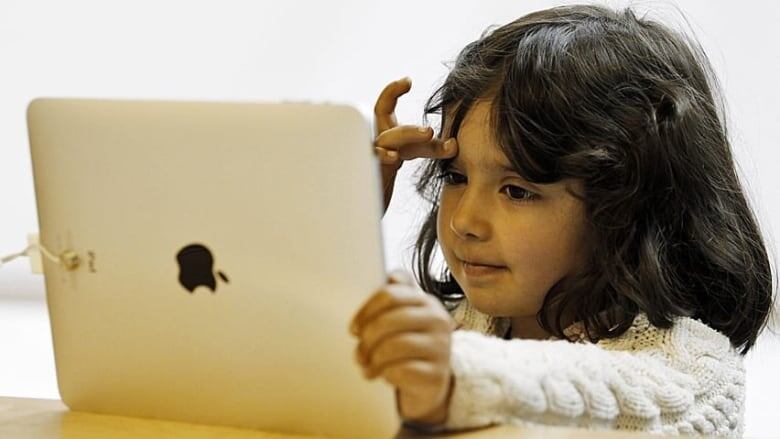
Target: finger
(384,109)
(387,156)
(389,297)
(397,321)
(400,276)
(432,149)
(407,346)
(402,135)
(394,277)
(359,359)
(410,374)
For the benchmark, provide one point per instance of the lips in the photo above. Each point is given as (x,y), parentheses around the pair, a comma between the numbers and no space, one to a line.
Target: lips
(478,262)
(481,272)
(481,264)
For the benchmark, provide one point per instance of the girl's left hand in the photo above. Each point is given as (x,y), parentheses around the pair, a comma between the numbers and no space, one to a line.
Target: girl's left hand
(405,337)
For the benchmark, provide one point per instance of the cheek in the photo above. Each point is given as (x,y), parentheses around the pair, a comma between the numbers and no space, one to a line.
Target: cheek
(443,218)
(444,234)
(544,253)
(441,232)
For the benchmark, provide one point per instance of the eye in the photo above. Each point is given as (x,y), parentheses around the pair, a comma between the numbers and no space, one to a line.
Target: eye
(516,193)
(451,178)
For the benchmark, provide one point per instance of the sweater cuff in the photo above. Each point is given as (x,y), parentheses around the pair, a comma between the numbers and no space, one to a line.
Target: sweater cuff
(477,398)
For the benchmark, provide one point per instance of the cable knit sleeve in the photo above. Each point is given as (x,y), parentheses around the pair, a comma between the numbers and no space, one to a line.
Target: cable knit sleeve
(686,379)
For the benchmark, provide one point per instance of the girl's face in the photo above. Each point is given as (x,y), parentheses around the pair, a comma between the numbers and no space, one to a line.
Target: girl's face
(489,215)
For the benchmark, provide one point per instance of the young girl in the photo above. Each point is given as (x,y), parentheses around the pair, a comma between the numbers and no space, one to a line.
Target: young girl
(603,266)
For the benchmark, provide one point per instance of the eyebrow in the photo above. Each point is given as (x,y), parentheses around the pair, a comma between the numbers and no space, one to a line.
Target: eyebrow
(489,167)
(496,168)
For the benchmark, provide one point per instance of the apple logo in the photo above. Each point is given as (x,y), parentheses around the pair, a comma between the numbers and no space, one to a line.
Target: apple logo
(196,268)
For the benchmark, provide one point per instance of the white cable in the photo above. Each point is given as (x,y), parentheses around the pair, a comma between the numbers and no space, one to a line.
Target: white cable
(26,252)
(9,258)
(47,253)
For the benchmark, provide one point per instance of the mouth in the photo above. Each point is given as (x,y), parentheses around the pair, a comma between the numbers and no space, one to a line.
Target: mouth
(480,264)
(477,263)
(475,269)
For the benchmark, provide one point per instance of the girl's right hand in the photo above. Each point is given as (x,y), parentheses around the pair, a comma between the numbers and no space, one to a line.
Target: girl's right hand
(395,143)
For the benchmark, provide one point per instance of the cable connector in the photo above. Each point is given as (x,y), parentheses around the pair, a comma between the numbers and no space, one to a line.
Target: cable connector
(68,259)
(36,261)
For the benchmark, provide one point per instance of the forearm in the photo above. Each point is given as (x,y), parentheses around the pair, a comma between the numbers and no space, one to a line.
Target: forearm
(560,383)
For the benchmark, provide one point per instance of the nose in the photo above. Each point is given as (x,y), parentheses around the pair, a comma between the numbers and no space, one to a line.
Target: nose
(469,220)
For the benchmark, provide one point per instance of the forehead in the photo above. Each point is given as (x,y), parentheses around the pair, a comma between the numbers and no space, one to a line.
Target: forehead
(479,149)
(477,145)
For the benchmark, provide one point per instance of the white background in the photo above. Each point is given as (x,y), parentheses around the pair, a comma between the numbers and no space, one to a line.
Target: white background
(337,50)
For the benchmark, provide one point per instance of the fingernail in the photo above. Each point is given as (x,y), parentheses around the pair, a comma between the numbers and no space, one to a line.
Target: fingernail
(449,145)
(358,358)
(422,129)
(392,154)
(395,276)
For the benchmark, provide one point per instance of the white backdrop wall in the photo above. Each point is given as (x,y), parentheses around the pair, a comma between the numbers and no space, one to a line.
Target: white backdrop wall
(335,50)
(312,50)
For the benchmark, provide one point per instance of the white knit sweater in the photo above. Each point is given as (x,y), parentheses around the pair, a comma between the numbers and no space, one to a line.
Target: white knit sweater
(687,379)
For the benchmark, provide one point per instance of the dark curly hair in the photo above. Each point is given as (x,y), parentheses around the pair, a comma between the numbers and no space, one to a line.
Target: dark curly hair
(632,108)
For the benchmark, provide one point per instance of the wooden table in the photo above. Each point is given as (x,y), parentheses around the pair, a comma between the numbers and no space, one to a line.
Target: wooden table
(46,418)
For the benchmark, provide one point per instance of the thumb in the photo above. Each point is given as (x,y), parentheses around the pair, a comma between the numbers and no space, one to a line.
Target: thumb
(399,276)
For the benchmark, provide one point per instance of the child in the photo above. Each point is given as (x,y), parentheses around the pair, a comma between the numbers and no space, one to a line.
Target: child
(603,266)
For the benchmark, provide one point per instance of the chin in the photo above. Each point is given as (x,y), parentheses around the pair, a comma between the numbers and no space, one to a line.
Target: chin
(485,305)
(495,304)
